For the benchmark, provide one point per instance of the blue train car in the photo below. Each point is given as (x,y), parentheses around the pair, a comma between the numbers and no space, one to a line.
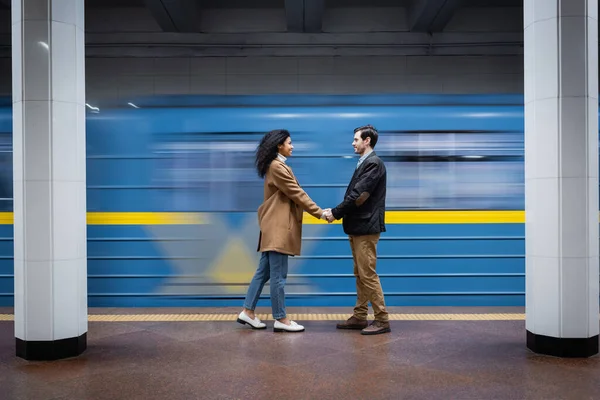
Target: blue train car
(172,198)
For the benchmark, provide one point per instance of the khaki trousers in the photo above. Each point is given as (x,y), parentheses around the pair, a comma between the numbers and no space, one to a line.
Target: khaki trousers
(368,286)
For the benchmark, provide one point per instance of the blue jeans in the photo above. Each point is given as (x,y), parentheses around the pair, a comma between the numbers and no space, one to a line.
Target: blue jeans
(272,265)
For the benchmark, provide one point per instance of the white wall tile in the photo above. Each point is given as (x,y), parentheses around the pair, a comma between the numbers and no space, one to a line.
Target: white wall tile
(592,211)
(17,138)
(36,10)
(19,222)
(36,139)
(37,228)
(592,132)
(38,296)
(547,307)
(36,59)
(19,298)
(65,299)
(573,48)
(65,138)
(592,56)
(546,54)
(572,137)
(80,66)
(574,297)
(592,9)
(16,16)
(592,292)
(546,128)
(544,9)
(64,62)
(547,218)
(65,11)
(16,64)
(574,217)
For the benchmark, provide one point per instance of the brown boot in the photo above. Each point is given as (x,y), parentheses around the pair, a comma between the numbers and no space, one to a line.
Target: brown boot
(376,328)
(353,323)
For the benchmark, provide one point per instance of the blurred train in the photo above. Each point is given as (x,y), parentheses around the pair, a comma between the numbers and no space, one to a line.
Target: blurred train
(172,196)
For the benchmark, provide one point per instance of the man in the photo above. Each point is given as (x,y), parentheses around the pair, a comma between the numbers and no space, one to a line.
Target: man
(363,213)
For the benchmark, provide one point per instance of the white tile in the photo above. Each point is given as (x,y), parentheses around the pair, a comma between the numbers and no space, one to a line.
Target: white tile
(529,66)
(17,138)
(592,9)
(80,15)
(592,291)
(547,218)
(574,297)
(592,131)
(531,154)
(592,57)
(19,298)
(36,140)
(66,212)
(36,61)
(80,65)
(544,9)
(39,311)
(574,217)
(16,16)
(546,287)
(64,63)
(528,13)
(546,138)
(592,215)
(36,10)
(19,222)
(82,300)
(530,303)
(81,145)
(65,11)
(573,8)
(573,44)
(573,137)
(16,62)
(66,298)
(65,138)
(546,56)
(37,228)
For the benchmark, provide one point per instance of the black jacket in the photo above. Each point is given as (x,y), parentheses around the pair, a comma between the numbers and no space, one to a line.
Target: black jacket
(363,208)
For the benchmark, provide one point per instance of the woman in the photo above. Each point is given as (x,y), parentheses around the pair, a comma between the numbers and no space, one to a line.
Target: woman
(280,222)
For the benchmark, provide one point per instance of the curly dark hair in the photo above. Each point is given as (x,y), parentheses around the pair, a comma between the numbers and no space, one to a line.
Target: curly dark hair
(266,151)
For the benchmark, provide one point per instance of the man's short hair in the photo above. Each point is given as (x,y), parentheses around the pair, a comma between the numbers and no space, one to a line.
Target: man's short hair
(368,131)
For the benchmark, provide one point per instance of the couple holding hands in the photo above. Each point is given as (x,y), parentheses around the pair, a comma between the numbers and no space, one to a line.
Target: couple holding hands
(280,221)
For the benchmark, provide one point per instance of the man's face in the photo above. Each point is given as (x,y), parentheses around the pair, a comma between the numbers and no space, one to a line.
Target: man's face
(360,145)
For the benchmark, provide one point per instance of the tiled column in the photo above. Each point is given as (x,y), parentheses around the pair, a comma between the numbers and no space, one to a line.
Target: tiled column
(49,178)
(561,176)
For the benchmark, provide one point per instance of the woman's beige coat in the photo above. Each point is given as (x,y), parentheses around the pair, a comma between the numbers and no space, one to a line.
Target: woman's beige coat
(280,214)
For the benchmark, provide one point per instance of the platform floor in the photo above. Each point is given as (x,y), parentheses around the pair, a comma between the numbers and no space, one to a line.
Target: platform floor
(479,357)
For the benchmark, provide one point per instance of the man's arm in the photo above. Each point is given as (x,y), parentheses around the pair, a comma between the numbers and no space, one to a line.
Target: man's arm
(288,185)
(361,191)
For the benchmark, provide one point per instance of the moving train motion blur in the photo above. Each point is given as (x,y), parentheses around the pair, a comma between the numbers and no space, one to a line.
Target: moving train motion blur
(172,195)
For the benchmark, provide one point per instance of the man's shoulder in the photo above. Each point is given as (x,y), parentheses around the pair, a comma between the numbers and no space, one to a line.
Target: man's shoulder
(374,159)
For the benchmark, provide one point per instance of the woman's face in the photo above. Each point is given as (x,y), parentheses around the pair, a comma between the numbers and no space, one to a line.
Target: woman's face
(286,148)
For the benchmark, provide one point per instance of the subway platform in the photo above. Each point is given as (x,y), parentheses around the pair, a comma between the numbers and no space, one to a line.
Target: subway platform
(200,353)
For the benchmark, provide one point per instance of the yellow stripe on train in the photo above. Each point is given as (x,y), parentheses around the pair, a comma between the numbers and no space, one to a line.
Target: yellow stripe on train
(391,217)
(443,217)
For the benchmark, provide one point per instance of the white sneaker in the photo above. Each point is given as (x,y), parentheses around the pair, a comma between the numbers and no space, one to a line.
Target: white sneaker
(255,323)
(292,327)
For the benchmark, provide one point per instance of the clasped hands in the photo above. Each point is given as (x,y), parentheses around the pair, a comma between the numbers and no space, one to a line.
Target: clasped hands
(327,215)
